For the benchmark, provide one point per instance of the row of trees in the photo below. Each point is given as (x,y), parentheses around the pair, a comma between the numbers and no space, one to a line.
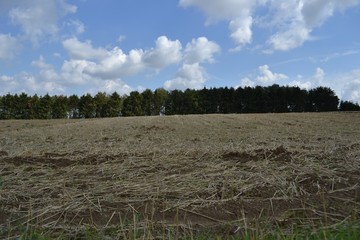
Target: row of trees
(205,101)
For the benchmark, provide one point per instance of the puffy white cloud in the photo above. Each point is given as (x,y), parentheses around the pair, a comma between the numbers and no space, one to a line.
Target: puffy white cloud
(118,86)
(72,72)
(246,82)
(41,64)
(113,64)
(220,10)
(192,75)
(291,38)
(351,90)
(166,52)
(303,85)
(241,31)
(8,84)
(37,18)
(9,46)
(296,19)
(83,50)
(318,77)
(93,69)
(267,77)
(26,82)
(237,12)
(201,50)
(117,64)
(47,75)
(293,21)
(189,76)
(314,81)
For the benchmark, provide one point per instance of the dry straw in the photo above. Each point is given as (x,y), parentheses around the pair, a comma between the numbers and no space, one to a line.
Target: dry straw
(194,172)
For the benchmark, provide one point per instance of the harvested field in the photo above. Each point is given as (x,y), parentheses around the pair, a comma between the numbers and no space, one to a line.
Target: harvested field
(155,176)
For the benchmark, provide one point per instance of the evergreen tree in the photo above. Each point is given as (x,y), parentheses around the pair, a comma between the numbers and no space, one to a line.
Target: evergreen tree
(21,110)
(114,105)
(73,105)
(102,107)
(296,99)
(44,109)
(349,106)
(133,105)
(87,106)
(322,99)
(8,107)
(147,102)
(160,98)
(174,103)
(60,108)
(190,103)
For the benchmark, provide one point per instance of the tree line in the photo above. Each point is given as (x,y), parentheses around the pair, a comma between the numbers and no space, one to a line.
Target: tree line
(272,99)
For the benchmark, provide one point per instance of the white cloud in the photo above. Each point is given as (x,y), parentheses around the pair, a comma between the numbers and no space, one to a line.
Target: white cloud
(77,26)
(166,52)
(318,77)
(201,50)
(292,21)
(72,72)
(189,76)
(192,75)
(220,10)
(117,64)
(291,38)
(38,18)
(303,85)
(118,86)
(237,12)
(26,82)
(41,64)
(246,82)
(121,38)
(267,77)
(241,31)
(9,46)
(113,64)
(8,84)
(295,20)
(351,90)
(83,50)
(314,81)
(47,74)
(99,69)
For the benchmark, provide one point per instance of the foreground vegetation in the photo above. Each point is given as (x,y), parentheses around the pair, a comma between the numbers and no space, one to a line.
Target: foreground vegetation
(273,99)
(254,176)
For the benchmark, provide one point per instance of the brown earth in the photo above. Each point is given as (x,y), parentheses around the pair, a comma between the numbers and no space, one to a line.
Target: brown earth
(214,172)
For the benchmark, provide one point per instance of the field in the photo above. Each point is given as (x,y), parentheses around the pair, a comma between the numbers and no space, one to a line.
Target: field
(191,177)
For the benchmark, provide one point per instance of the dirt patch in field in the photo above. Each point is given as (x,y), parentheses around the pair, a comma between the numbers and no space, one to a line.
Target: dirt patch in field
(38,161)
(3,154)
(279,154)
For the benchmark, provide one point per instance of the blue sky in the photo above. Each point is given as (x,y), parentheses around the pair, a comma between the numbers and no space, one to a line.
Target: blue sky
(85,46)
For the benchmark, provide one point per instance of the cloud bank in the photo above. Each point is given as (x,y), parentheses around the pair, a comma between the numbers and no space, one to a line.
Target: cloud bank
(104,69)
(292,21)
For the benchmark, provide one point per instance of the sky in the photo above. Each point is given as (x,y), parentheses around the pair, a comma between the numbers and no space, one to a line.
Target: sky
(65,47)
